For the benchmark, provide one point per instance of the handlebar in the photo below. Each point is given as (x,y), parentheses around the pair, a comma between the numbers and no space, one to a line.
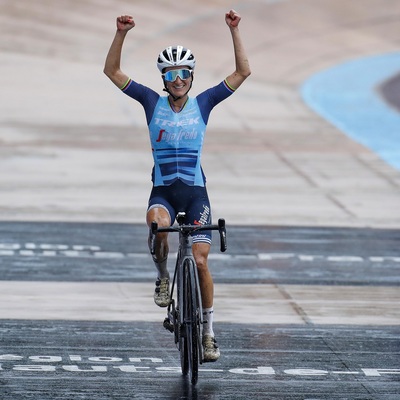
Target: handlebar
(222,235)
(187,230)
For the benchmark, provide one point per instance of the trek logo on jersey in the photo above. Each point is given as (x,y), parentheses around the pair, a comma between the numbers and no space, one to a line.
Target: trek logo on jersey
(164,136)
(176,124)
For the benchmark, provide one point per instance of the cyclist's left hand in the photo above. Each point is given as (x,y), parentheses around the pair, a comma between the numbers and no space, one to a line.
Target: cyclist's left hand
(232,19)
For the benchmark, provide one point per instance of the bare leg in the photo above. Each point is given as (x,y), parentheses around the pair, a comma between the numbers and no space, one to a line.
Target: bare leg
(162,218)
(200,252)
(210,346)
(161,292)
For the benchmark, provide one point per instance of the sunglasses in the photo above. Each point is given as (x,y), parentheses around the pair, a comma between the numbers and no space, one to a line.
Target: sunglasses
(170,76)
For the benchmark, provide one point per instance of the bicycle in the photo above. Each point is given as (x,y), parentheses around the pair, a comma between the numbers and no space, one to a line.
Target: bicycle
(185,314)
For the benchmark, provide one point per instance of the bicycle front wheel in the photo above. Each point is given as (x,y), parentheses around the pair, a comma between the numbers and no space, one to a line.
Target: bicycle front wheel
(190,356)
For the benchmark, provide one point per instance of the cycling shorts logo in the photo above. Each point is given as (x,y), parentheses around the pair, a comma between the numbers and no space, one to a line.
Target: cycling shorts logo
(204,216)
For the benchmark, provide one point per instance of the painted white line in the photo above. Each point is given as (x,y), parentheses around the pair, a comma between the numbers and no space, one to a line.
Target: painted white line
(95,251)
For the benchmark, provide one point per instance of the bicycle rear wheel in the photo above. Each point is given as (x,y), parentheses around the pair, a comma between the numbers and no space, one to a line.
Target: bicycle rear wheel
(190,337)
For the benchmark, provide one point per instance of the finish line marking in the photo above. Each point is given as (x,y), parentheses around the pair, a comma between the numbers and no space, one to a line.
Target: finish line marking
(43,363)
(94,251)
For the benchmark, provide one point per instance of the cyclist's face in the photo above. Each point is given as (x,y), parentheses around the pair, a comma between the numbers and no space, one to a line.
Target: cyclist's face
(180,85)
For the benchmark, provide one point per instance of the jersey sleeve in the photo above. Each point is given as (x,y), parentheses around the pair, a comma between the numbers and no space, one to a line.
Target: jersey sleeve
(145,96)
(213,96)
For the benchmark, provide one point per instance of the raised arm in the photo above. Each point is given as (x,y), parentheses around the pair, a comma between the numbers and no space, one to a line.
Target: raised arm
(242,71)
(112,67)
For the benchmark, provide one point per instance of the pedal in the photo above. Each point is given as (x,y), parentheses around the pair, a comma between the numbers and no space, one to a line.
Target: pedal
(168,326)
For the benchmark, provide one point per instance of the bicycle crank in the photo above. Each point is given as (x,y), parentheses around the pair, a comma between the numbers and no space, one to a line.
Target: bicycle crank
(168,326)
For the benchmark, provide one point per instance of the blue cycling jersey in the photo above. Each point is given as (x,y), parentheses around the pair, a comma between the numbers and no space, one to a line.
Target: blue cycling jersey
(177,137)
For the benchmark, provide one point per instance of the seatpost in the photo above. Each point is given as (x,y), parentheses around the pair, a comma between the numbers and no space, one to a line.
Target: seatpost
(185,237)
(181,218)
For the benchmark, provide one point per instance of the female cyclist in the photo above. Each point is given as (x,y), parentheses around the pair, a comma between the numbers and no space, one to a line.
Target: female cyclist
(177,124)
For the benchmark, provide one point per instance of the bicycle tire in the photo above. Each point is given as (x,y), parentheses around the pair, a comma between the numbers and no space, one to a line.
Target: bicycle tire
(192,325)
(182,334)
(184,353)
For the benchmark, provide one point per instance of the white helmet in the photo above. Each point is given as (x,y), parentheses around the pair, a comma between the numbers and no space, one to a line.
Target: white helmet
(173,56)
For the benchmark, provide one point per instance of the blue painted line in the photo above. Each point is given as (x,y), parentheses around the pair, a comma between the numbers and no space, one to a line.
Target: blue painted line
(346,95)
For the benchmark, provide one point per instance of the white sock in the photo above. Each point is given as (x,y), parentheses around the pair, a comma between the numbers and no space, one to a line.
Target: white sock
(162,268)
(208,316)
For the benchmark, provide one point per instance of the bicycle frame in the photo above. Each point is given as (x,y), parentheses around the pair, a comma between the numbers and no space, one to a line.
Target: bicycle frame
(185,316)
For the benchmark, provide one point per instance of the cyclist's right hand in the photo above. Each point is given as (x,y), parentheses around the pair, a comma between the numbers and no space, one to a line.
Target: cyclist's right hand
(125,23)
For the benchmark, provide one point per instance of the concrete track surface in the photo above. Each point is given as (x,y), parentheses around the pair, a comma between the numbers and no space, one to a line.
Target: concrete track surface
(74,148)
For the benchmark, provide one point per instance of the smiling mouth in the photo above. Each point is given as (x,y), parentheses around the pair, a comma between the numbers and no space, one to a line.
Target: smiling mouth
(181,86)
